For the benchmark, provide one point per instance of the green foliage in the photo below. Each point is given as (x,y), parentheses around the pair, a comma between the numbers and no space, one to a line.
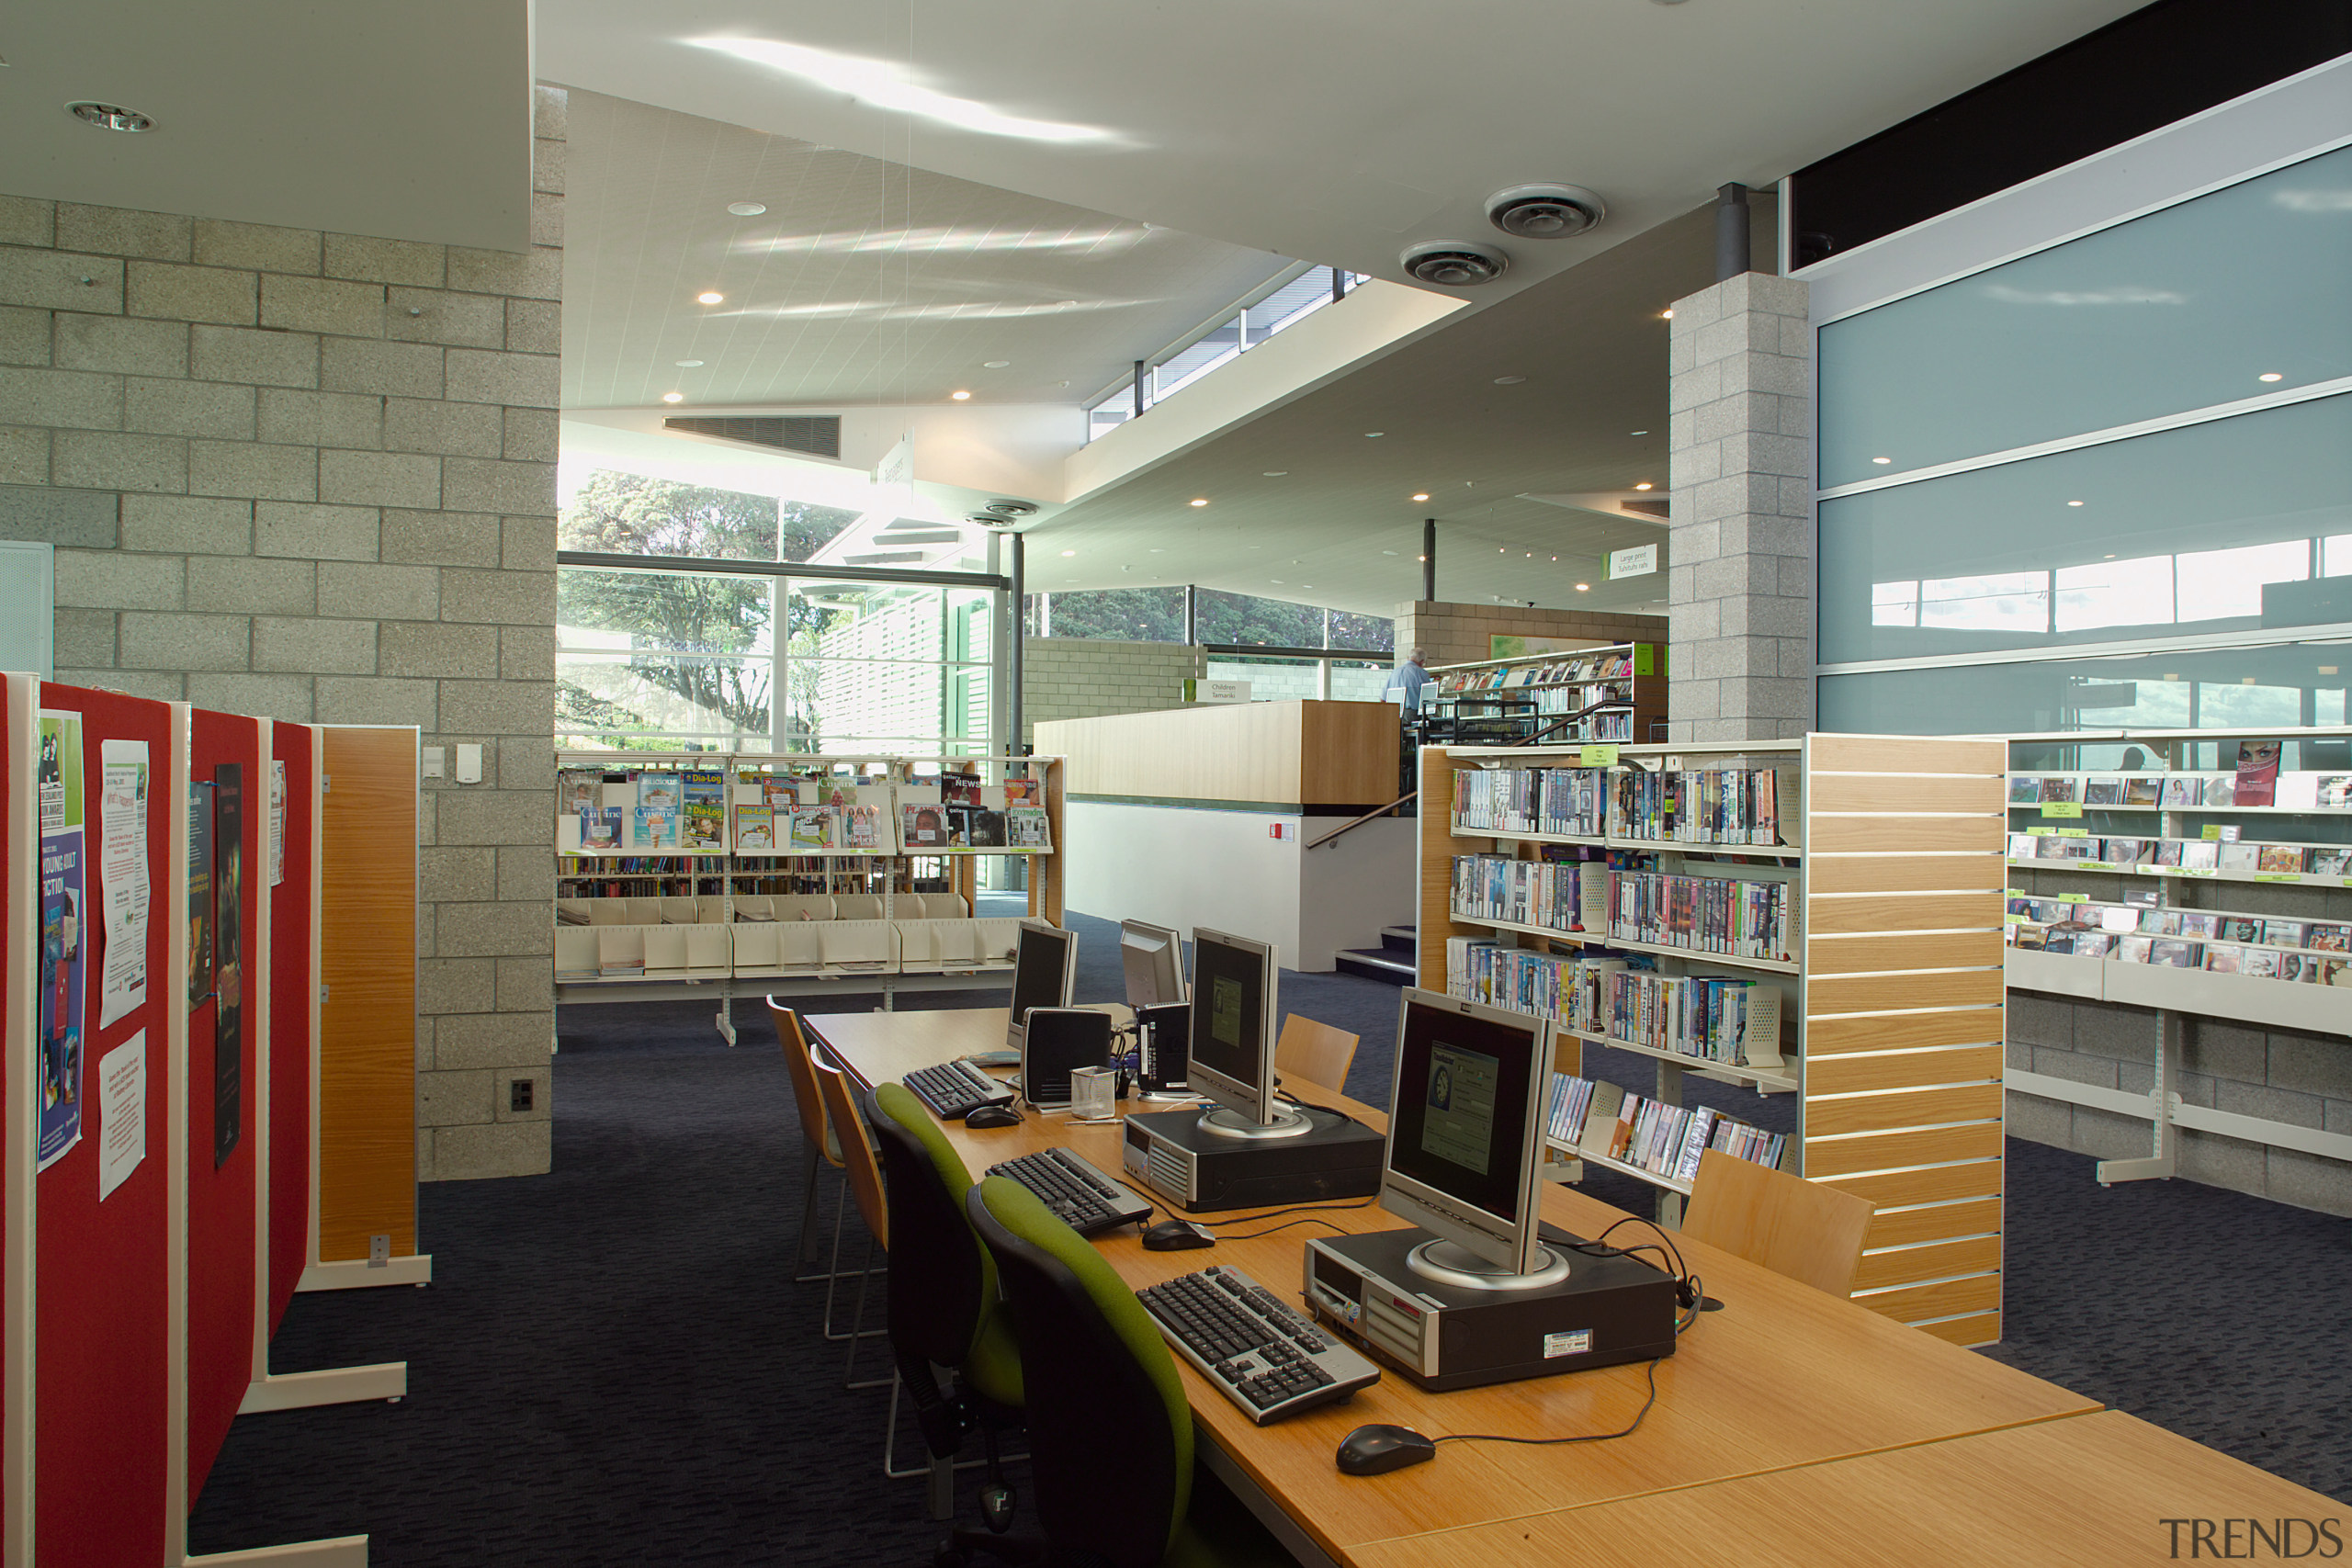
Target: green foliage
(1122,615)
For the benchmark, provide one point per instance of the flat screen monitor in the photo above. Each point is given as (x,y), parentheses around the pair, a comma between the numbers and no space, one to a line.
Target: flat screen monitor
(1045,968)
(1153,957)
(1231,1047)
(1465,1141)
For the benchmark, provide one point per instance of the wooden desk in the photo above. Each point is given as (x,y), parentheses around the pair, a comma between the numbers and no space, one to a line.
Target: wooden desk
(2095,1489)
(1786,1375)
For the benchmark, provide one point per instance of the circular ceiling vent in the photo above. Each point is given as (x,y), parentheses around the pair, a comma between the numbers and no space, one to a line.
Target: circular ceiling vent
(1455,264)
(108,116)
(1544,211)
(1013,508)
(992,520)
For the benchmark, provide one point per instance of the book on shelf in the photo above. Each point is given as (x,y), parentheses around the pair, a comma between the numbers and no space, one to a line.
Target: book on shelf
(1666,1140)
(1565,1114)
(1718,805)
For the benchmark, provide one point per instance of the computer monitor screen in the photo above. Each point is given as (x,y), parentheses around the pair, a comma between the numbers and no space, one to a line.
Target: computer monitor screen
(1466,1126)
(1232,1056)
(1153,957)
(1045,966)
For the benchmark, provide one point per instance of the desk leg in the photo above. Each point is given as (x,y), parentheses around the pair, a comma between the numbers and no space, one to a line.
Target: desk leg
(1269,1513)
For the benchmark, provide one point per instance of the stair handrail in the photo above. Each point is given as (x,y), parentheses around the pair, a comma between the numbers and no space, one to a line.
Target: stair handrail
(1354,822)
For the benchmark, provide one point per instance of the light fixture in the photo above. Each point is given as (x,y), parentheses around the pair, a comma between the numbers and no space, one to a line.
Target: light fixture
(2325,670)
(1555,557)
(1584,587)
(1881,459)
(994,364)
(711,297)
(1388,552)
(1277,473)
(689,364)
(1509,380)
(2106,558)
(1373,434)
(1666,315)
(1423,496)
(1637,432)
(746,208)
(2074,503)
(883,85)
(2270,376)
(1420,558)
(673,397)
(1275,580)
(961,397)
(1645,485)
(1200,500)
(108,116)
(1067,553)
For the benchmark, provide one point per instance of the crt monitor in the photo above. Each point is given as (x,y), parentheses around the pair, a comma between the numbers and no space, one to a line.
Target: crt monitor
(1231,1039)
(1045,968)
(1465,1141)
(1153,957)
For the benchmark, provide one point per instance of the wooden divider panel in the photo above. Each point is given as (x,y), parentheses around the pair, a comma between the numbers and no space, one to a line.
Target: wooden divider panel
(1437,848)
(367,1023)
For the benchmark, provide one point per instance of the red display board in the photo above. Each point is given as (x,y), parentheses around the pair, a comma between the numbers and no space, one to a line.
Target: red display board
(292,988)
(101,1367)
(222,1051)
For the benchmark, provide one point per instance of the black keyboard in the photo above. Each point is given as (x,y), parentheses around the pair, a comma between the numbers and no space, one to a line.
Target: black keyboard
(1083,1197)
(1263,1356)
(953,1088)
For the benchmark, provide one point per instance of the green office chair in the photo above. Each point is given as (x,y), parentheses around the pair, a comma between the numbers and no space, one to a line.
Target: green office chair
(1109,1433)
(943,1306)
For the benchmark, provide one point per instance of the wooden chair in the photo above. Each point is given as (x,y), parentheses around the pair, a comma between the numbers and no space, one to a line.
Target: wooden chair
(863,1169)
(1315,1052)
(824,1148)
(1808,1232)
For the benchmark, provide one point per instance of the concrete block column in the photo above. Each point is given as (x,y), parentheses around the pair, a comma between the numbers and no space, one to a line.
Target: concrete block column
(1740,587)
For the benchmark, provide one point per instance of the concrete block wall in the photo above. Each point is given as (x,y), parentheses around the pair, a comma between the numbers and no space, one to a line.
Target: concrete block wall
(1739,440)
(311,477)
(1459,633)
(1069,677)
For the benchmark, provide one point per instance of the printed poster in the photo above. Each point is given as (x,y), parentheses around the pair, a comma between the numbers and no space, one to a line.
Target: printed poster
(123,890)
(199,892)
(64,976)
(122,1113)
(277,823)
(229,940)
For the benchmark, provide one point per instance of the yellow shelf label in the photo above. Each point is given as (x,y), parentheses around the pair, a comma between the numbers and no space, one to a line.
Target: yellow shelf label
(2041,832)
(2213,830)
(2196,871)
(2061,809)
(2072,832)
(1598,757)
(2278,876)
(2073,897)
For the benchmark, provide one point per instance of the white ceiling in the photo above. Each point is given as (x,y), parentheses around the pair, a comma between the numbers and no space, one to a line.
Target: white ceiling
(409,122)
(864,281)
(1332,131)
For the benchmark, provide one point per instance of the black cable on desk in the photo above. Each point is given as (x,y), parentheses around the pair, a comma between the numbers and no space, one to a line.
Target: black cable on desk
(1639,1416)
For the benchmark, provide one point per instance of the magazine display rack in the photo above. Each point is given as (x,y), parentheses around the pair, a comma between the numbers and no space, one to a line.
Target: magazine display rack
(1610,691)
(2200,874)
(710,875)
(1818,918)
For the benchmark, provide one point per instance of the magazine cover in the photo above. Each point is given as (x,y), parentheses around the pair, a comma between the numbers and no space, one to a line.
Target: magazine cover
(659,792)
(1024,792)
(2334,791)
(579,790)
(2332,862)
(2180,791)
(1025,828)
(2257,780)
(811,827)
(600,830)
(959,789)
(987,829)
(2141,790)
(779,795)
(653,828)
(925,827)
(705,810)
(959,826)
(754,827)
(2281,857)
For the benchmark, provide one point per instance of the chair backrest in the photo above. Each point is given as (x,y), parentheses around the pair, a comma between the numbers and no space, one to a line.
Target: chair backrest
(1110,1434)
(1315,1052)
(1795,1227)
(942,1279)
(815,1125)
(858,1161)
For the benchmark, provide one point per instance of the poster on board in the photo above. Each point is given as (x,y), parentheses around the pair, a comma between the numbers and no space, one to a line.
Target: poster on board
(122,1113)
(277,823)
(199,892)
(123,890)
(62,940)
(229,966)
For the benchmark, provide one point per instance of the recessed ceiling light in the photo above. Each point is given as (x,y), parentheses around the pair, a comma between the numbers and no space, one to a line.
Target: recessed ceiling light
(961,397)
(1555,557)
(1509,380)
(1584,587)
(1200,500)
(1388,552)
(2074,503)
(994,364)
(1645,485)
(1637,432)
(1420,558)
(1666,315)
(110,116)
(689,364)
(673,397)
(711,297)
(1373,434)
(1070,552)
(747,208)
(2327,669)
(1422,497)
(1277,473)
(2270,376)
(1881,459)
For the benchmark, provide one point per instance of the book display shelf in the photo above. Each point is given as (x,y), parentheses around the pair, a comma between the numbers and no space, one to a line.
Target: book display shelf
(707,875)
(1819,917)
(1609,692)
(2197,874)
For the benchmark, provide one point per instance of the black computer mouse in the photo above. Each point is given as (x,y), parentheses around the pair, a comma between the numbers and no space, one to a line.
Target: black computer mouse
(1175,1235)
(992,1116)
(1376,1451)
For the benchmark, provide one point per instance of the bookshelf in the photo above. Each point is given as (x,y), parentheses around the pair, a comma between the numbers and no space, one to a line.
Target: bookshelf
(1865,880)
(709,876)
(1618,688)
(2141,873)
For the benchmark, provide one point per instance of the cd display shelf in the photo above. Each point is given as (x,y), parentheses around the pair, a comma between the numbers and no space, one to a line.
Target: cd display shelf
(722,910)
(2240,913)
(1619,689)
(1887,850)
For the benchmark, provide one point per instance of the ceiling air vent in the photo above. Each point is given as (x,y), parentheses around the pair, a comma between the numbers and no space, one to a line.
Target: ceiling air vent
(818,434)
(1544,212)
(1453,263)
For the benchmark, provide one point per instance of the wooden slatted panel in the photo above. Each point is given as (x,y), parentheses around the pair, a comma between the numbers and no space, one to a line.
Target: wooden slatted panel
(1904,835)
(1894,1151)
(1895,1032)
(1438,848)
(1864,791)
(1978,1292)
(1971,1179)
(1977,1328)
(1972,1255)
(1902,1227)
(1901,1069)
(1886,993)
(1897,912)
(1919,1108)
(1904,874)
(1878,954)
(1906,754)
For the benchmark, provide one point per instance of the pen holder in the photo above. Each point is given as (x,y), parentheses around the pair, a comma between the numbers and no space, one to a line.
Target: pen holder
(1093,1094)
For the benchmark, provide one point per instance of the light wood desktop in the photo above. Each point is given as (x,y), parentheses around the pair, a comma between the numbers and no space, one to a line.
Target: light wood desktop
(2095,1489)
(1783,1376)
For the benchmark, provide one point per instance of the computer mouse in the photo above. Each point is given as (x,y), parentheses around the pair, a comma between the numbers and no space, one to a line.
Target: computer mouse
(1376,1451)
(1175,1235)
(992,1116)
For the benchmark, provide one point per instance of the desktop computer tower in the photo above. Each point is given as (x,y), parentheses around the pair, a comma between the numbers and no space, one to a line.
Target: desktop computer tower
(1607,1310)
(1199,1170)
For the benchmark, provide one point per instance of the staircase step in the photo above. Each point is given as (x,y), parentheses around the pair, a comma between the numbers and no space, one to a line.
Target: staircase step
(1405,939)
(1379,963)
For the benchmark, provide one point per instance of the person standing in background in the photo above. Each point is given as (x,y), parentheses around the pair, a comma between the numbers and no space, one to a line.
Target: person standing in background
(1405,683)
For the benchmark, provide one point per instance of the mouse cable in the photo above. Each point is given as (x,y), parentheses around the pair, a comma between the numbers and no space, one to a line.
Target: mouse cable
(1639,1416)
